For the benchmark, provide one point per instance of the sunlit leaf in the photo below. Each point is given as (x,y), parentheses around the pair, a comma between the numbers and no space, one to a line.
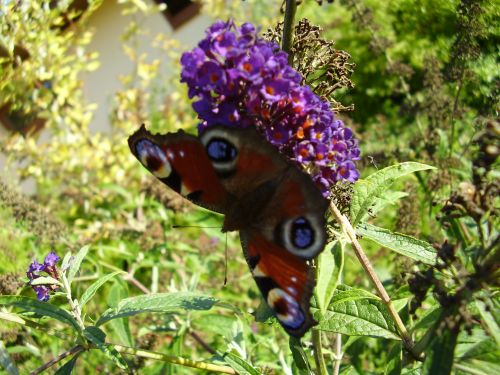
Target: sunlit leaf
(77,261)
(330,265)
(367,190)
(355,312)
(27,304)
(400,243)
(239,364)
(158,303)
(92,289)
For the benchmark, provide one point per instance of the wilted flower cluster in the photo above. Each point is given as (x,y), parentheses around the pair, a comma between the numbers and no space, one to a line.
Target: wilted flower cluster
(48,266)
(240,80)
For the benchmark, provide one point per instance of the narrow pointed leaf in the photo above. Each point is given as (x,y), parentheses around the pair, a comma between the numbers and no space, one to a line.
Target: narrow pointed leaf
(330,265)
(91,290)
(394,365)
(299,356)
(45,280)
(77,261)
(40,308)
(68,367)
(6,361)
(439,355)
(239,364)
(158,303)
(400,243)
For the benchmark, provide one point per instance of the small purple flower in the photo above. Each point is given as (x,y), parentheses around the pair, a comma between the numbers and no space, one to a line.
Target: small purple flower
(34,272)
(51,259)
(240,79)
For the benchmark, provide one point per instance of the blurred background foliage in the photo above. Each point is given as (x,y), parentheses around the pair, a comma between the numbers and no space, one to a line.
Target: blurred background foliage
(425,89)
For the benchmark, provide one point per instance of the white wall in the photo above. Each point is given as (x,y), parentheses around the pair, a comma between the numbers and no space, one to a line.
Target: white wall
(109,25)
(99,86)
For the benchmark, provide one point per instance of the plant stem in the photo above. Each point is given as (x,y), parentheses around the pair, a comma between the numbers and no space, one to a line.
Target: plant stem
(365,262)
(338,353)
(74,350)
(286,42)
(74,306)
(318,353)
(174,359)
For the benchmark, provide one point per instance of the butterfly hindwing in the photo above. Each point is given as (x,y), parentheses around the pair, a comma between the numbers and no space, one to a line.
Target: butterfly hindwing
(179,160)
(285,281)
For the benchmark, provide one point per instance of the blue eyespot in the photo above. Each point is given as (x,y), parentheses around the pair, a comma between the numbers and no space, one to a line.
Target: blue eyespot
(302,234)
(221,151)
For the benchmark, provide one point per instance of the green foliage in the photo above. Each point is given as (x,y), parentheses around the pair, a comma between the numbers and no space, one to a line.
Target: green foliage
(135,294)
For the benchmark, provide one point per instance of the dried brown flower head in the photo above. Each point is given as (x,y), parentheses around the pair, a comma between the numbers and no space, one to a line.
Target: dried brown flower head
(323,67)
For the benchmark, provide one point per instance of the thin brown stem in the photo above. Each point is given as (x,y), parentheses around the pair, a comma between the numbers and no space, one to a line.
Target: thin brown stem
(74,350)
(365,263)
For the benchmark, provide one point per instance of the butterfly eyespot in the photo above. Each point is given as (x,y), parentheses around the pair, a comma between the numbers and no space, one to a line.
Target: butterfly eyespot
(287,309)
(221,150)
(153,158)
(302,236)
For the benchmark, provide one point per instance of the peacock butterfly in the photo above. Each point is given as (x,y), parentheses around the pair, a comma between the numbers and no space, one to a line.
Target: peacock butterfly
(277,208)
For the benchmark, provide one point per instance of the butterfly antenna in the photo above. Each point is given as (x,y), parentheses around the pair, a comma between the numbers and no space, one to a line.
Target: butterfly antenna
(225,264)
(193,226)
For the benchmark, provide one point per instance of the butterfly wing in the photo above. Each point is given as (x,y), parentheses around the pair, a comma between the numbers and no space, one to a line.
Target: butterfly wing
(289,232)
(281,216)
(285,281)
(179,160)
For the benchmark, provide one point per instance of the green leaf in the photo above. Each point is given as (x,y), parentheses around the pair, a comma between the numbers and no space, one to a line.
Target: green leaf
(428,319)
(91,290)
(330,265)
(299,356)
(489,320)
(241,366)
(45,280)
(67,369)
(395,358)
(389,198)
(66,261)
(77,261)
(477,346)
(477,367)
(158,303)
(400,243)
(40,308)
(355,312)
(97,337)
(439,355)
(367,191)
(6,361)
(121,327)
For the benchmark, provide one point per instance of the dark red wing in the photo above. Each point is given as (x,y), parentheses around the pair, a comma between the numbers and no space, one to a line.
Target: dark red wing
(285,281)
(179,160)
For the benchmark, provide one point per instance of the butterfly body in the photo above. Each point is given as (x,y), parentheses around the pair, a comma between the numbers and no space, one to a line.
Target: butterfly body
(277,209)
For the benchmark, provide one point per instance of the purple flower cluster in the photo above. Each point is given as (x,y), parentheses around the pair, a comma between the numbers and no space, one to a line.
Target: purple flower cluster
(48,266)
(240,80)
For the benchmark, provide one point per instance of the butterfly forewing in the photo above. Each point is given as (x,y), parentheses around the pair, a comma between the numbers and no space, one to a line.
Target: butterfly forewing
(179,160)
